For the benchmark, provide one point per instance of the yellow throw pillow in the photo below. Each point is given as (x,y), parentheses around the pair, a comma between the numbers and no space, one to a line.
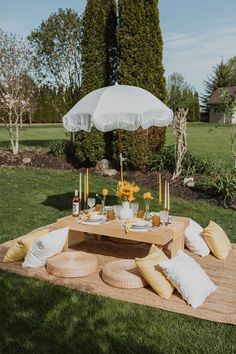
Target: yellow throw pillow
(18,250)
(217,240)
(152,273)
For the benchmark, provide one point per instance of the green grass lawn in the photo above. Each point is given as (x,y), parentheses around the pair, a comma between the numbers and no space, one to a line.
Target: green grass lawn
(36,136)
(208,140)
(37,317)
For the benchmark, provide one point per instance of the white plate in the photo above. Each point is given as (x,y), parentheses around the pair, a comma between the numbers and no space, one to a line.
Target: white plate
(142,224)
(96,218)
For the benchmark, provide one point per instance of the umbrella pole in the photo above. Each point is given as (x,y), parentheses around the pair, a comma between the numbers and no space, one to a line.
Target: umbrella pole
(121,157)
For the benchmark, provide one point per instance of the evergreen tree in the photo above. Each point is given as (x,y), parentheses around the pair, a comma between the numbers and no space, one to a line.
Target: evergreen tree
(155,80)
(46,111)
(99,45)
(181,94)
(140,54)
(223,75)
(140,46)
(197,106)
(98,68)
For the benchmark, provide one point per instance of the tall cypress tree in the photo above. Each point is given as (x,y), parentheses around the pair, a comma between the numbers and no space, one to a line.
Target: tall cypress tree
(140,54)
(155,80)
(98,65)
(99,45)
(140,46)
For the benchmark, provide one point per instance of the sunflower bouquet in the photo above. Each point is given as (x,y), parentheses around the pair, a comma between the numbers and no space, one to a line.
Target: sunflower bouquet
(126,190)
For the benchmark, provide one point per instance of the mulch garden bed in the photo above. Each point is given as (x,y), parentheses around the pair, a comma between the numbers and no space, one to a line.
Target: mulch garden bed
(40,158)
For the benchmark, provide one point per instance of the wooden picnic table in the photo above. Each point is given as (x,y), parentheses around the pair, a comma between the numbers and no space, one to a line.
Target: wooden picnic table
(169,238)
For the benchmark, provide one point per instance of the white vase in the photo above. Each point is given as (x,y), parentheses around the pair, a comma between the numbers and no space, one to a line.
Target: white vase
(126,212)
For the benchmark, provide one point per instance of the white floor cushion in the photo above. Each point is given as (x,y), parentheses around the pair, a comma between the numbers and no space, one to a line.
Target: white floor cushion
(194,241)
(45,247)
(189,278)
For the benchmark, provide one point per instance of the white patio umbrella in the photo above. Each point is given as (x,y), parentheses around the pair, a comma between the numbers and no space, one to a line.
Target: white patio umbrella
(117,107)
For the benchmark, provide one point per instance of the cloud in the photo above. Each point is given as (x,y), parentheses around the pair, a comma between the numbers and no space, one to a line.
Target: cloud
(195,54)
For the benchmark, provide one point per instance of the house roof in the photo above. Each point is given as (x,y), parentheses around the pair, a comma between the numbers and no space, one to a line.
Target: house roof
(215,97)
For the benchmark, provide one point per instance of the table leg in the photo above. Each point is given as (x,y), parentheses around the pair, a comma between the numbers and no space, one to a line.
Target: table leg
(98,237)
(74,237)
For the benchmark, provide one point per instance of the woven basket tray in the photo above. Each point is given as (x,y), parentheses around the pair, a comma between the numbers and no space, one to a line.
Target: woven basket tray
(123,274)
(72,264)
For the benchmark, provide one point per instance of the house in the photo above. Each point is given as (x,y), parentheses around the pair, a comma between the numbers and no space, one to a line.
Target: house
(216,113)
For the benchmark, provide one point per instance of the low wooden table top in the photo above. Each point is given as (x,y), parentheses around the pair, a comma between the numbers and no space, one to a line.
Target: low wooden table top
(161,235)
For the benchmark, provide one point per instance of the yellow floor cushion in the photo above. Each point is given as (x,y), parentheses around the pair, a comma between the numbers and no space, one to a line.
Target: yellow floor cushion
(217,240)
(152,273)
(18,250)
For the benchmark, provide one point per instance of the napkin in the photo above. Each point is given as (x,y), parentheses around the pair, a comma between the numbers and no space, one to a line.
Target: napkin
(128,225)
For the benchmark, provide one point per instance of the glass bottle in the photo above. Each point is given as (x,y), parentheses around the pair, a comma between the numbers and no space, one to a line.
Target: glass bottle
(76,205)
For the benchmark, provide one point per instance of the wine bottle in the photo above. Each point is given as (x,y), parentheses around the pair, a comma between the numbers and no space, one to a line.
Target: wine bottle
(76,204)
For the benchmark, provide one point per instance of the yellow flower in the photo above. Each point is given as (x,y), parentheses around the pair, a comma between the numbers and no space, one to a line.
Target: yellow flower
(136,189)
(147,195)
(126,190)
(105,192)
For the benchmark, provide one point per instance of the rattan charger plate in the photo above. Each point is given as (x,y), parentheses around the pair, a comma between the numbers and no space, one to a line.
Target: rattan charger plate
(123,274)
(72,264)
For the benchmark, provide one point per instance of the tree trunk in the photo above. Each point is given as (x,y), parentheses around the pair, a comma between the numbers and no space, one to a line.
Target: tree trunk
(30,118)
(14,143)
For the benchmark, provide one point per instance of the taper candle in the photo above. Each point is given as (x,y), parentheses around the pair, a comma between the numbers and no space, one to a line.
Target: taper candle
(168,196)
(165,196)
(80,187)
(160,188)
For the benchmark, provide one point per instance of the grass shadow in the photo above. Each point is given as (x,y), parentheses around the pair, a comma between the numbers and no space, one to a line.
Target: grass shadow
(63,201)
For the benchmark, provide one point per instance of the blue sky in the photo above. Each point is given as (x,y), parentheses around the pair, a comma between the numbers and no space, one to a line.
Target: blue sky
(196,34)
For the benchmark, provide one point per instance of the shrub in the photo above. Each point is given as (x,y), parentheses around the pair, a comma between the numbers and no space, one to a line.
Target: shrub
(58,148)
(89,147)
(137,146)
(165,160)
(223,186)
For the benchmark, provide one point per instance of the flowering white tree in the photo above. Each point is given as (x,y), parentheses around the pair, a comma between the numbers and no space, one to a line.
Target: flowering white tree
(15,98)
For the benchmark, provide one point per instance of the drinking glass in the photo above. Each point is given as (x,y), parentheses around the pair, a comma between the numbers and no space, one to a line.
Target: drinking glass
(156,220)
(116,209)
(134,207)
(91,202)
(164,216)
(140,214)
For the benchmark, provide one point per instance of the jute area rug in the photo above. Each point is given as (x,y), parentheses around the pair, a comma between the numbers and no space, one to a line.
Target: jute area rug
(219,306)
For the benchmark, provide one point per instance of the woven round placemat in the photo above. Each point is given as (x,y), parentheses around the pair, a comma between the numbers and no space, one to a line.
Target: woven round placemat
(72,264)
(123,274)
